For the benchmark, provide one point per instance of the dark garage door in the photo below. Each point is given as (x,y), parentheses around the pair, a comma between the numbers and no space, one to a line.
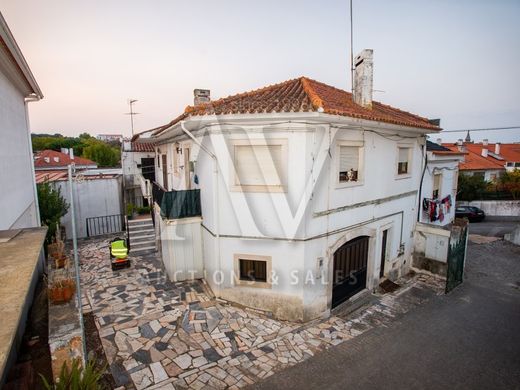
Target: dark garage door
(350,269)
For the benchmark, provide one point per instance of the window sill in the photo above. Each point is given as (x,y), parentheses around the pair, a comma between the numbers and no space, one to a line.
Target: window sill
(340,185)
(403,176)
(250,283)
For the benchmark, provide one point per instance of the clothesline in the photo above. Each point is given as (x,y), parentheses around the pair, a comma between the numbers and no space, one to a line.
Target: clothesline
(436,209)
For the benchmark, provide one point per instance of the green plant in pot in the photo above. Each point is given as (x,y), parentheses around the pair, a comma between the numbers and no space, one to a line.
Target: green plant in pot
(130,208)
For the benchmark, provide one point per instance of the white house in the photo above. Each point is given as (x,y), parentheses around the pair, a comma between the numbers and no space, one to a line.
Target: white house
(138,164)
(21,237)
(439,184)
(308,195)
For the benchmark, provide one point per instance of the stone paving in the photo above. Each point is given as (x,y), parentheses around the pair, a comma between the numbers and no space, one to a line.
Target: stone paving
(157,334)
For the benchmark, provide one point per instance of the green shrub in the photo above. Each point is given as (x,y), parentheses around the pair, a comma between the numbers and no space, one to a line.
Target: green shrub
(52,207)
(76,378)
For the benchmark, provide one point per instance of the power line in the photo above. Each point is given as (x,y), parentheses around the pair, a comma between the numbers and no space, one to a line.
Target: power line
(483,129)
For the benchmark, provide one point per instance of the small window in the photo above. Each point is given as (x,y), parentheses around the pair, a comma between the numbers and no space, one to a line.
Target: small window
(253,270)
(437,178)
(348,164)
(403,161)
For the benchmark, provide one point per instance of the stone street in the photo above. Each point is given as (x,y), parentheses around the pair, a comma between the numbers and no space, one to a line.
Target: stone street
(157,334)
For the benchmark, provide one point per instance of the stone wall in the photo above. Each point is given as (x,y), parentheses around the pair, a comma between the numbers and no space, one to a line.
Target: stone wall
(502,208)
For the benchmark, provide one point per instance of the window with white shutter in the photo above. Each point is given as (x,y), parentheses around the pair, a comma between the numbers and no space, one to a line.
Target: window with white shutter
(260,167)
(348,163)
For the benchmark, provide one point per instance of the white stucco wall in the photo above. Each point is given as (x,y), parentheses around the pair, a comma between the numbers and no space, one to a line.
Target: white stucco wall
(448,168)
(305,225)
(17,197)
(92,198)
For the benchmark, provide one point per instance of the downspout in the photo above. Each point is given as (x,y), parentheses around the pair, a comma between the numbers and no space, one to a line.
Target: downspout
(35,188)
(216,202)
(419,207)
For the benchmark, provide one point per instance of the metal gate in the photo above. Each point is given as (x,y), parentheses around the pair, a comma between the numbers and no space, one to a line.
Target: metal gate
(456,254)
(107,224)
(350,269)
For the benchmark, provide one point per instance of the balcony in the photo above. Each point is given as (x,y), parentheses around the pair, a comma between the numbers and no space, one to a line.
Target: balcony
(177,204)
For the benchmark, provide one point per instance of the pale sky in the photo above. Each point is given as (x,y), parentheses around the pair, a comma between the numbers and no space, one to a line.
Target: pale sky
(454,60)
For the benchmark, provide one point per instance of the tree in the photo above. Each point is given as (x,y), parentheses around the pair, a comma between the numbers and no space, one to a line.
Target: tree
(510,182)
(471,187)
(52,207)
(102,153)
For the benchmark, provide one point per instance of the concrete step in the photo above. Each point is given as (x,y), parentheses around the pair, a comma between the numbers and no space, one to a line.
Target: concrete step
(359,302)
(136,222)
(138,245)
(146,238)
(140,251)
(140,228)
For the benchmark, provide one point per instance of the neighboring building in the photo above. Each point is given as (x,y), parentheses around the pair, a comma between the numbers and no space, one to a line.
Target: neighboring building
(110,137)
(277,196)
(97,199)
(138,163)
(439,185)
(52,160)
(21,237)
(485,159)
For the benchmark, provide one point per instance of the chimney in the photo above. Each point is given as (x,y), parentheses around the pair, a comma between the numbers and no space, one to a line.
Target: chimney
(439,141)
(497,148)
(201,96)
(460,145)
(64,150)
(363,78)
(71,152)
(485,142)
(484,152)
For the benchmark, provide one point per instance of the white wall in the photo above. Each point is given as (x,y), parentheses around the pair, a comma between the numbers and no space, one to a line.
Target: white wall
(502,208)
(17,197)
(448,168)
(92,198)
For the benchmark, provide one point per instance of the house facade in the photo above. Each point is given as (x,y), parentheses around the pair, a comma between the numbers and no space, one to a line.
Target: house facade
(21,237)
(308,196)
(138,164)
(439,184)
(47,160)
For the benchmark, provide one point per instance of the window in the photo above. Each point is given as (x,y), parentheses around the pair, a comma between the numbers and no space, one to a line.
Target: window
(253,270)
(437,178)
(403,160)
(348,164)
(259,167)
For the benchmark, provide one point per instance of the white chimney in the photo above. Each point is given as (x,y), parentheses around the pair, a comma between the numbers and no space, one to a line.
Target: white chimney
(439,141)
(201,96)
(65,150)
(71,151)
(485,142)
(497,148)
(484,152)
(363,78)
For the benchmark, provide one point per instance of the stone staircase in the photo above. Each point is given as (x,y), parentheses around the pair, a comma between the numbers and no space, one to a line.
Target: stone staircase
(142,236)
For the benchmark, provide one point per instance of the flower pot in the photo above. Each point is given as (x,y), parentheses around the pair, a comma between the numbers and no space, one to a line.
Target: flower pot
(60,261)
(62,292)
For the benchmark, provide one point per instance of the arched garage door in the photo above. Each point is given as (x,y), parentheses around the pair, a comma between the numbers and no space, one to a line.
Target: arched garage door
(350,269)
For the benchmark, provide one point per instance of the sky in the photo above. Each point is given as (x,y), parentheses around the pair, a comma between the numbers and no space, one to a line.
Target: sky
(453,60)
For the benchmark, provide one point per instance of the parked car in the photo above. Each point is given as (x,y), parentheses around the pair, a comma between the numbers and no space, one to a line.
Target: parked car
(474,214)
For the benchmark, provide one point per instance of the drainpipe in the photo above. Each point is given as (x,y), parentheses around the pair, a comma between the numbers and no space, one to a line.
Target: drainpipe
(216,210)
(27,100)
(425,161)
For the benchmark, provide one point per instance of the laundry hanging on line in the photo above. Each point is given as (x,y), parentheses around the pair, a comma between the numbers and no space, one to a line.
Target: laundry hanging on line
(436,209)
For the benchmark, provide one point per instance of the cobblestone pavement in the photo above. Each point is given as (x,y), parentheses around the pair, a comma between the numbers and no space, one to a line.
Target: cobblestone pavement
(157,334)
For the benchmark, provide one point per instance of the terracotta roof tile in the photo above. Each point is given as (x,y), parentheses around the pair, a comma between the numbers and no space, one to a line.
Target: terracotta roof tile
(302,95)
(142,147)
(58,159)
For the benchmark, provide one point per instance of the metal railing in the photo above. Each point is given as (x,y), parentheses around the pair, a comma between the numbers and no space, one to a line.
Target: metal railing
(177,204)
(105,224)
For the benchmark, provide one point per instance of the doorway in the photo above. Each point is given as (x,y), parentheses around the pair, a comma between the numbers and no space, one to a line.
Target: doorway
(383,253)
(350,269)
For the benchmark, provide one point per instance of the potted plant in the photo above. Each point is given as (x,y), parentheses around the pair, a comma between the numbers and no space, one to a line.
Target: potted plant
(130,208)
(62,290)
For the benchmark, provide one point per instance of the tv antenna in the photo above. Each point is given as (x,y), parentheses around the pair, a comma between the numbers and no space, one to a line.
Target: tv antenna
(131,113)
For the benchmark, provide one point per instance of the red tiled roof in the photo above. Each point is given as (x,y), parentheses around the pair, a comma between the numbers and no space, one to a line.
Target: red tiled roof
(53,175)
(62,160)
(142,147)
(473,159)
(302,95)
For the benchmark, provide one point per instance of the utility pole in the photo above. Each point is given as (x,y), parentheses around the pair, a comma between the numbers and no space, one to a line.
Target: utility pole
(351,51)
(132,113)
(76,264)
